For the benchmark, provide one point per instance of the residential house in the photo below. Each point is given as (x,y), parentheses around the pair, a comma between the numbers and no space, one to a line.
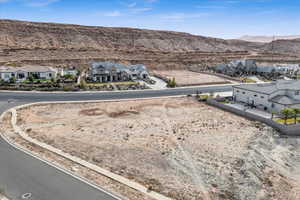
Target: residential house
(267,70)
(272,97)
(111,72)
(68,71)
(23,73)
(138,72)
(249,67)
(238,67)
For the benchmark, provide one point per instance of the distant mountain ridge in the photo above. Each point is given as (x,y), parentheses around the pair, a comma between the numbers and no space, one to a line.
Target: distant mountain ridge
(267,39)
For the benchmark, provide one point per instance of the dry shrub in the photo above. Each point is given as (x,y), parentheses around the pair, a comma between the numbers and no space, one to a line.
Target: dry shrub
(122,113)
(91,112)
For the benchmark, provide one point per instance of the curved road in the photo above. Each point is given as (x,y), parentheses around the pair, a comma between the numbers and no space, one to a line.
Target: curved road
(21,173)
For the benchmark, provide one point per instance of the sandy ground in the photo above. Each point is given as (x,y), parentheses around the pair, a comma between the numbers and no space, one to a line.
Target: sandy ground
(179,147)
(185,78)
(106,183)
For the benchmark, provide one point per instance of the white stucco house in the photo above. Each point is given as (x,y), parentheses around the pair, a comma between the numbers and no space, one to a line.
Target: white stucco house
(272,97)
(68,71)
(23,73)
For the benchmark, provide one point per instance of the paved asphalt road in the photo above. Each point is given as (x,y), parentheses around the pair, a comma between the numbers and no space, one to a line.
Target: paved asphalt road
(21,173)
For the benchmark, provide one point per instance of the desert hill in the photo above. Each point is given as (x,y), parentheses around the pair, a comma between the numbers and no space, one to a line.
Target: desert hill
(24,42)
(29,35)
(267,39)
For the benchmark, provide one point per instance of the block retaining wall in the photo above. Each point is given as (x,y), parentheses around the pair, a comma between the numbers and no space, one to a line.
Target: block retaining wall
(290,130)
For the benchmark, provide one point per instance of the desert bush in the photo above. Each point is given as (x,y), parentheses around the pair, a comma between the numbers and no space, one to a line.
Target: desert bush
(83,85)
(12,80)
(171,83)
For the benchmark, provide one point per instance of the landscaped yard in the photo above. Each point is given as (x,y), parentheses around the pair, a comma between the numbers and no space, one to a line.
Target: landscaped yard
(289,121)
(115,83)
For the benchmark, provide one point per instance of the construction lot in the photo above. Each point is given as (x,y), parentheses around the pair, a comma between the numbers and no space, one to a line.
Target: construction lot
(178,147)
(186,78)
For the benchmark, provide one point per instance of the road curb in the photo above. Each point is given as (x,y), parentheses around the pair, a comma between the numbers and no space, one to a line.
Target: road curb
(118,91)
(107,173)
(66,171)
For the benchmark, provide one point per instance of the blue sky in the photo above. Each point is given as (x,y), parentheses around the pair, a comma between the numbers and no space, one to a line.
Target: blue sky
(216,18)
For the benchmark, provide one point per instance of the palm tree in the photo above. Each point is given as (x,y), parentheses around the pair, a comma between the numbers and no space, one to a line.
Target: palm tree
(296,112)
(287,112)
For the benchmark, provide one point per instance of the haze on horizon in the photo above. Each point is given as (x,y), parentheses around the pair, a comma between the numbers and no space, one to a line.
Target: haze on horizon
(216,18)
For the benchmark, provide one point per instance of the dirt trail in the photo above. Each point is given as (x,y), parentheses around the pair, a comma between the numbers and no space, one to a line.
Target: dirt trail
(186,155)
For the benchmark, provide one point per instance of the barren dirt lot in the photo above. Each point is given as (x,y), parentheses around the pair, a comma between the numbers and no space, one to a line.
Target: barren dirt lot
(185,78)
(179,147)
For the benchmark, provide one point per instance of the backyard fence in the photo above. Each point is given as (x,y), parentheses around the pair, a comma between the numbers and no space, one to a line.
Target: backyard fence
(291,130)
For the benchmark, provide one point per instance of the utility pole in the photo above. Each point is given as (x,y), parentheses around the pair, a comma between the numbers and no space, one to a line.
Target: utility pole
(133,41)
(272,48)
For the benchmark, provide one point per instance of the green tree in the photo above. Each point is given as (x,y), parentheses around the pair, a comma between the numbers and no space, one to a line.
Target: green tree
(53,80)
(296,113)
(30,78)
(287,113)
(171,83)
(69,77)
(12,79)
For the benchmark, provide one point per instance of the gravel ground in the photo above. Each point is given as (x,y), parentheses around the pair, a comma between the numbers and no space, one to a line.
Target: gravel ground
(179,147)
(106,183)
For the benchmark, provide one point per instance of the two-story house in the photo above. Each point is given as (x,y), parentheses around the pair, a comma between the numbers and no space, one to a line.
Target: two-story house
(112,72)
(272,97)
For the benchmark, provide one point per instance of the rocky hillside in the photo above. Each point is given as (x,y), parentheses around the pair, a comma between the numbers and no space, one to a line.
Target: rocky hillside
(284,46)
(28,35)
(62,44)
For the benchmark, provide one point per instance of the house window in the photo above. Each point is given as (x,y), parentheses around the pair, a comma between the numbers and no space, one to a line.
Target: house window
(237,91)
(297,93)
(244,92)
(262,97)
(273,105)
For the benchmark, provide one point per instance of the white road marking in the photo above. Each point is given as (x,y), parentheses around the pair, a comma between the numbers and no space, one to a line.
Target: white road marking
(26,196)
